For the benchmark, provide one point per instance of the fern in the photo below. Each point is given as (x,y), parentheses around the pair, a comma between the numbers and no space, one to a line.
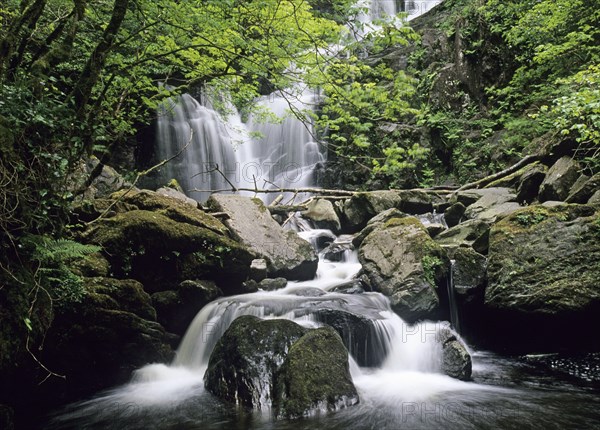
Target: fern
(48,251)
(52,256)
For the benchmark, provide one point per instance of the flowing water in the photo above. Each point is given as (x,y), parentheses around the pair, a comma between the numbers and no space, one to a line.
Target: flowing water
(395,367)
(400,384)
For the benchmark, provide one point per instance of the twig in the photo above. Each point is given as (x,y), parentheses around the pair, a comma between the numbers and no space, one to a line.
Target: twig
(319,191)
(483,182)
(216,169)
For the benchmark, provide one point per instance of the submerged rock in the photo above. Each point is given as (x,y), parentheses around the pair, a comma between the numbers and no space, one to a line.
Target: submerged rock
(544,266)
(315,377)
(405,264)
(250,223)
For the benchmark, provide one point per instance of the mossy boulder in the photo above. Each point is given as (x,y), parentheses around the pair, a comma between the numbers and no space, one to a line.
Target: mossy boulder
(251,223)
(315,376)
(472,233)
(175,309)
(584,190)
(454,214)
(405,264)
(98,342)
(161,252)
(529,185)
(544,266)
(243,365)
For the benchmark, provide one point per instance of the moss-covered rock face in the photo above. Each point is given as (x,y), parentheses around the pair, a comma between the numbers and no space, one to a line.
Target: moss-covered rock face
(472,233)
(161,252)
(243,365)
(98,342)
(315,376)
(544,266)
(404,263)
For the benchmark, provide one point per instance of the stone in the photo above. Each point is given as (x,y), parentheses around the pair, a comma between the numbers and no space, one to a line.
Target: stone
(161,252)
(178,195)
(258,269)
(91,265)
(272,284)
(454,214)
(456,360)
(315,377)
(250,223)
(544,266)
(99,341)
(337,250)
(322,213)
(583,191)
(434,229)
(376,222)
(405,264)
(472,233)
(358,335)
(486,207)
(529,184)
(490,196)
(559,180)
(595,199)
(245,361)
(176,309)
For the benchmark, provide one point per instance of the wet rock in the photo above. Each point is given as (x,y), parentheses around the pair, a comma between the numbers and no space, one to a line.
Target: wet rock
(559,180)
(355,286)
(595,199)
(472,233)
(456,360)
(98,342)
(176,309)
(250,223)
(178,195)
(258,269)
(543,275)
(161,252)
(322,213)
(484,197)
(272,284)
(358,335)
(405,264)
(493,203)
(243,365)
(376,222)
(529,184)
(315,377)
(337,250)
(582,192)
(454,214)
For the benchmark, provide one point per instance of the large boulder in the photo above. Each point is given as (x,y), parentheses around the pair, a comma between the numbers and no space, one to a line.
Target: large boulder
(544,266)
(492,204)
(559,180)
(175,309)
(530,182)
(582,192)
(99,341)
(243,365)
(405,264)
(315,376)
(472,233)
(361,207)
(453,215)
(322,213)
(161,252)
(376,222)
(250,223)
(358,334)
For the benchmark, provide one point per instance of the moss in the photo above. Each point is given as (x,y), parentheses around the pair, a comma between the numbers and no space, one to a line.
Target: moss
(404,222)
(315,374)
